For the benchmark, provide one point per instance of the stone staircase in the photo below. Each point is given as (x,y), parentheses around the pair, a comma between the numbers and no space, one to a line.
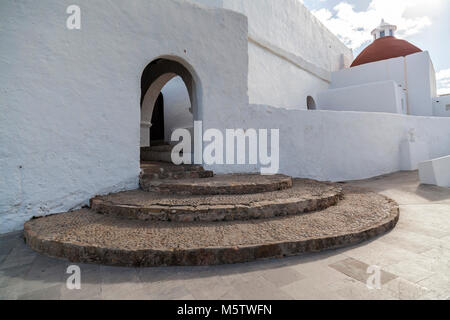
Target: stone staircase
(185,215)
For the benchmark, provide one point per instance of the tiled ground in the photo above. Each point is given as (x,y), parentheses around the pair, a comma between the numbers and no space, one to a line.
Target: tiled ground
(414,261)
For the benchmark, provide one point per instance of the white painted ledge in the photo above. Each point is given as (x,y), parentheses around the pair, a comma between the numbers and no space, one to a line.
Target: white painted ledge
(435,172)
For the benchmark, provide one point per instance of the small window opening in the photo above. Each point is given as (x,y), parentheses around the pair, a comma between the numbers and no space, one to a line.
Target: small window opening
(310,103)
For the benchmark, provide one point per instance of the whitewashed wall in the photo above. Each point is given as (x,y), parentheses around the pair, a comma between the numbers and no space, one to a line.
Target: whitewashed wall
(391,69)
(275,81)
(382,96)
(70,114)
(341,145)
(291,54)
(421,89)
(414,73)
(289,25)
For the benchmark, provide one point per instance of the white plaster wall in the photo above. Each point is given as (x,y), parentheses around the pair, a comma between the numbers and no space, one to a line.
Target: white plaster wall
(176,107)
(70,116)
(391,69)
(441,106)
(341,145)
(288,24)
(383,96)
(420,87)
(290,52)
(433,83)
(414,73)
(435,172)
(213,3)
(276,81)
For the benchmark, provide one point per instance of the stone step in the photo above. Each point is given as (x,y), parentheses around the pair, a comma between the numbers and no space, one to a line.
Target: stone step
(160,148)
(158,143)
(85,236)
(162,153)
(151,170)
(304,196)
(164,156)
(219,184)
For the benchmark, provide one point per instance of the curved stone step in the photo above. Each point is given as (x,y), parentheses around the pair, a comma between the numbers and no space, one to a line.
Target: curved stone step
(305,196)
(152,170)
(87,237)
(219,184)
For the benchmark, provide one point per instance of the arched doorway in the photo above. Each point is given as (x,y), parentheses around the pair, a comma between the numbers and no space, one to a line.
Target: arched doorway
(168,100)
(310,103)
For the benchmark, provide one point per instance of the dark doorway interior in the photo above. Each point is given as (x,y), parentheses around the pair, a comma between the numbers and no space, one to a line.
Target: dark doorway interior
(311,104)
(157,129)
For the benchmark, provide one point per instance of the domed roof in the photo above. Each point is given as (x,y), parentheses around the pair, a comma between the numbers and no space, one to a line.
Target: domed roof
(385,48)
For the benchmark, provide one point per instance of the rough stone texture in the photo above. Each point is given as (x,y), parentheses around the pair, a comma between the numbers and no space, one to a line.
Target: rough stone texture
(84,236)
(220,184)
(152,170)
(148,154)
(305,196)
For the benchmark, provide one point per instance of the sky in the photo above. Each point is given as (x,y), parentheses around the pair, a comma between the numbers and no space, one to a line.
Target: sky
(424,23)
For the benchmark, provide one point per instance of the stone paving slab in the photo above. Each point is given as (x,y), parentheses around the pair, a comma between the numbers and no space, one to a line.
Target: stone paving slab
(358,270)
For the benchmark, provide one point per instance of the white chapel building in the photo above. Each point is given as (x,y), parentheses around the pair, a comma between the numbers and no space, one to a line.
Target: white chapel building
(390,75)
(78,105)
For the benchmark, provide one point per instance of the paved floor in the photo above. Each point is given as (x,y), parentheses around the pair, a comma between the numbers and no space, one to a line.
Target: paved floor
(414,261)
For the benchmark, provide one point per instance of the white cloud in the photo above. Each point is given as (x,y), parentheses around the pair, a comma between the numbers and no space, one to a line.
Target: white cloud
(354,27)
(443,74)
(443,81)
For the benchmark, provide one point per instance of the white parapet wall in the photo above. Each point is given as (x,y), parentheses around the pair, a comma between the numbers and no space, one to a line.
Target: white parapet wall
(384,70)
(346,145)
(414,75)
(382,96)
(435,172)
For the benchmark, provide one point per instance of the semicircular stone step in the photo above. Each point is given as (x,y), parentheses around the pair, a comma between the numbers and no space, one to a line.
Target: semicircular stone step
(304,196)
(219,184)
(87,237)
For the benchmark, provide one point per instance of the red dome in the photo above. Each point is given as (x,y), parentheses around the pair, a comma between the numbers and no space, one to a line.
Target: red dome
(385,48)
